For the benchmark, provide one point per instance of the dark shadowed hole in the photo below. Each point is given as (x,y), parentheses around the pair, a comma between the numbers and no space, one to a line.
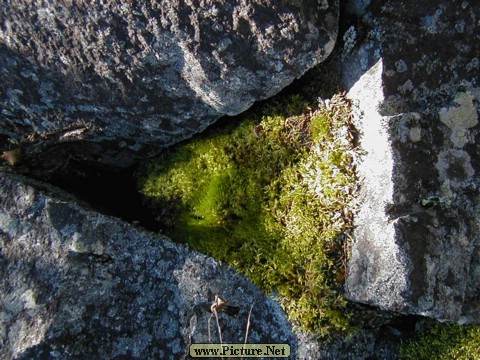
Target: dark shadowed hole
(108,190)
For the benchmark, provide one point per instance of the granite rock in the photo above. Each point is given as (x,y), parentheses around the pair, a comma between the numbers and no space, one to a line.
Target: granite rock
(415,81)
(76,284)
(115,80)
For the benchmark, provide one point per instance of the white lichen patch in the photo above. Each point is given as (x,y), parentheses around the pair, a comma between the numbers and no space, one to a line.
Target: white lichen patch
(29,299)
(406,128)
(98,248)
(459,118)
(76,245)
(349,40)
(415,134)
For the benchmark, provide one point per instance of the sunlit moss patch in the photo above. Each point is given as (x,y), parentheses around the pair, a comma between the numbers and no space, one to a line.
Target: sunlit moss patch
(443,342)
(273,197)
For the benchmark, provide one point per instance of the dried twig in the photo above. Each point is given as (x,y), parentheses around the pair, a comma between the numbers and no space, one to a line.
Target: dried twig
(220,305)
(248,324)
(218,327)
(217,305)
(209,337)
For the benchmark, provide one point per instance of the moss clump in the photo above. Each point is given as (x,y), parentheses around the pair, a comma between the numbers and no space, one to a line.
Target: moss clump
(443,341)
(272,197)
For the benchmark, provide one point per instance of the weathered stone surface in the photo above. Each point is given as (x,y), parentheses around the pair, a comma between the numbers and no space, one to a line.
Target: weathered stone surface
(128,78)
(75,284)
(415,79)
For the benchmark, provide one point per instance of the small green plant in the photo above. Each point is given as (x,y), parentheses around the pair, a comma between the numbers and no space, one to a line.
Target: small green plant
(443,341)
(273,197)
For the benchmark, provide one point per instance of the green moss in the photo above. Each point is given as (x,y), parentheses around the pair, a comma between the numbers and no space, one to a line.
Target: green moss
(272,197)
(442,342)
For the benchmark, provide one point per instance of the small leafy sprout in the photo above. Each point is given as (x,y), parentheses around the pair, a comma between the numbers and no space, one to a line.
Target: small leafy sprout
(433,201)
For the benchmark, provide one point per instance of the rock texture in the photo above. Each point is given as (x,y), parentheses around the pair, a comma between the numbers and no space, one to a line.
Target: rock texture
(75,284)
(415,79)
(116,80)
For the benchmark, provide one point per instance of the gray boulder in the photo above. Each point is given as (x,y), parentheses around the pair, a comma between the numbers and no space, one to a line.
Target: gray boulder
(76,284)
(415,80)
(124,79)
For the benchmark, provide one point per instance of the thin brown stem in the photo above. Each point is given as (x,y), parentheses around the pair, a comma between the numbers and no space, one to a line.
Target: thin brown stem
(248,324)
(218,327)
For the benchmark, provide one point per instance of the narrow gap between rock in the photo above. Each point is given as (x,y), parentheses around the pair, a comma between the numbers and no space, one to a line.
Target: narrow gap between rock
(110,191)
(114,191)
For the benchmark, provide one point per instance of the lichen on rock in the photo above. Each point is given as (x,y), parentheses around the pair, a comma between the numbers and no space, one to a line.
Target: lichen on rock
(417,235)
(459,118)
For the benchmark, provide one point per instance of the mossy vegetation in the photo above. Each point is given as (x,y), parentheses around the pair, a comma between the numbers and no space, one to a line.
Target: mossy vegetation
(272,195)
(443,342)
